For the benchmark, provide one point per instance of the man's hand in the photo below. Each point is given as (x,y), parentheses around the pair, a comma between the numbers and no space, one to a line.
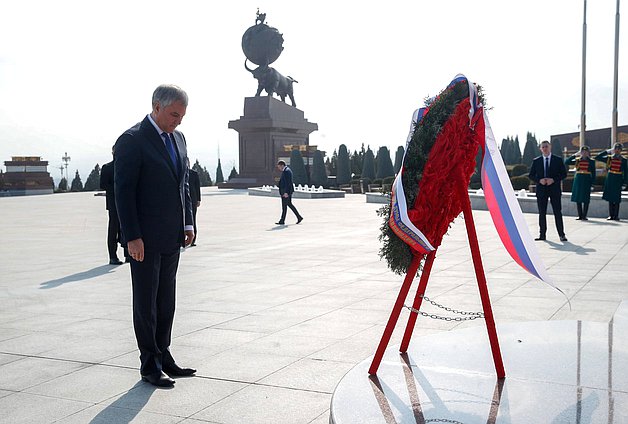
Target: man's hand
(189,237)
(549,181)
(285,195)
(198,204)
(136,249)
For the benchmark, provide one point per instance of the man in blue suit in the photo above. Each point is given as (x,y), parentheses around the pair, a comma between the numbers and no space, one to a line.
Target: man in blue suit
(153,202)
(547,171)
(286,188)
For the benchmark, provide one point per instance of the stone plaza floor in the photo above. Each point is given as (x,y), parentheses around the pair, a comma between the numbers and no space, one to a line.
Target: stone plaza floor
(271,316)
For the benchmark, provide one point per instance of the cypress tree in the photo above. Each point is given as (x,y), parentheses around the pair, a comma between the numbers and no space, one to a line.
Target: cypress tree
(503,150)
(77,184)
(399,159)
(319,176)
(516,151)
(343,170)
(531,149)
(384,163)
(93,180)
(368,169)
(219,177)
(332,164)
(63,185)
(233,173)
(299,174)
(208,178)
(203,175)
(557,149)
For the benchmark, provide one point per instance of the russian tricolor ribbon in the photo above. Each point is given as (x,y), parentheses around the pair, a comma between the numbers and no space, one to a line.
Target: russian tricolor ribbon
(399,221)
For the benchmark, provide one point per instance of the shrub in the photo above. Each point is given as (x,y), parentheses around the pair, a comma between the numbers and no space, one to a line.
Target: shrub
(520,182)
(519,169)
(377,181)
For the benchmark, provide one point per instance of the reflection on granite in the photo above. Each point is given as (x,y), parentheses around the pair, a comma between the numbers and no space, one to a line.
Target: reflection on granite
(556,372)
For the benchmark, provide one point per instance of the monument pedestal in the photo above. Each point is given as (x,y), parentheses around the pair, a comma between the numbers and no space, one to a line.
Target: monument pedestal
(266,128)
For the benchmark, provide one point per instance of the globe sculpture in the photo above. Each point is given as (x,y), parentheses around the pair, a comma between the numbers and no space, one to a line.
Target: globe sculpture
(262,45)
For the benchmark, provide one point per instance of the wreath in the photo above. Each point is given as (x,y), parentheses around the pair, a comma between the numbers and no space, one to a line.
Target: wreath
(437,167)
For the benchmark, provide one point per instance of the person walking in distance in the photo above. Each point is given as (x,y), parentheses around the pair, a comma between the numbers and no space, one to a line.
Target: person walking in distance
(547,171)
(286,188)
(155,210)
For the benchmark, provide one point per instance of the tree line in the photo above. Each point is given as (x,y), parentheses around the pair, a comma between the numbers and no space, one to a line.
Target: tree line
(93,179)
(344,165)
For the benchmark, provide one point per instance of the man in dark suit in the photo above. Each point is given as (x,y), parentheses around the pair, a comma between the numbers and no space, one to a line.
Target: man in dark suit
(113,228)
(286,188)
(153,201)
(547,171)
(195,195)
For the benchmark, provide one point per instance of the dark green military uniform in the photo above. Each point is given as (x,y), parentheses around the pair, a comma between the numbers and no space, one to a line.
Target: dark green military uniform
(617,175)
(581,189)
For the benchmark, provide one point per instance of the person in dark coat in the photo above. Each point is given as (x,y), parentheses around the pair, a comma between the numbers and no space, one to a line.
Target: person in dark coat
(195,196)
(616,177)
(585,175)
(547,171)
(113,228)
(286,188)
(155,210)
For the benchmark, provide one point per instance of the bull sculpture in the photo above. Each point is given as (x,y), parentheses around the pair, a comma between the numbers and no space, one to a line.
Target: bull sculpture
(270,80)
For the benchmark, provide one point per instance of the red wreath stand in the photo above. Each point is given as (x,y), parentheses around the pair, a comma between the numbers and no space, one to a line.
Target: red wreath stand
(425,275)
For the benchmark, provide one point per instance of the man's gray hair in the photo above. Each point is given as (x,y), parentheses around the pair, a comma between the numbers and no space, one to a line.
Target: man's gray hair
(166,94)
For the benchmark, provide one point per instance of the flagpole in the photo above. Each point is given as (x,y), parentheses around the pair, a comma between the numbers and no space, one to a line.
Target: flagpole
(615,80)
(583,120)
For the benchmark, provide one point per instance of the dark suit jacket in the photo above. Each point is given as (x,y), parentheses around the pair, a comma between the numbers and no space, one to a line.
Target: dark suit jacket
(285,181)
(153,201)
(195,187)
(106,183)
(556,171)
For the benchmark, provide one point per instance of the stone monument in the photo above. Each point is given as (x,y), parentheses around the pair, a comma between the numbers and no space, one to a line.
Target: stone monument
(26,175)
(268,125)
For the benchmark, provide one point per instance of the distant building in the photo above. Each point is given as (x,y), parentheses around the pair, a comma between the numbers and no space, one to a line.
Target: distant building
(597,140)
(26,175)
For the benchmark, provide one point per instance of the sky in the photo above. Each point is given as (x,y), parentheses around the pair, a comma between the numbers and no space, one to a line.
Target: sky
(75,74)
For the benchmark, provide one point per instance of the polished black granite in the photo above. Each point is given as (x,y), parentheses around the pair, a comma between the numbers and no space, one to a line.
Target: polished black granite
(556,372)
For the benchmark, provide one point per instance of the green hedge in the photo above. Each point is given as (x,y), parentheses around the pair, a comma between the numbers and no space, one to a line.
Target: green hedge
(520,182)
(520,169)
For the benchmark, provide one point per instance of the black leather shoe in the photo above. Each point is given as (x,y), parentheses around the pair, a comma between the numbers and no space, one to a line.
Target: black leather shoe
(540,238)
(176,371)
(563,238)
(280,223)
(159,380)
(115,261)
(299,220)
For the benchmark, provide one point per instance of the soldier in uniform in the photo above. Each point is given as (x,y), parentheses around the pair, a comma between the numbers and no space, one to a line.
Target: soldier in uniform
(617,175)
(585,175)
